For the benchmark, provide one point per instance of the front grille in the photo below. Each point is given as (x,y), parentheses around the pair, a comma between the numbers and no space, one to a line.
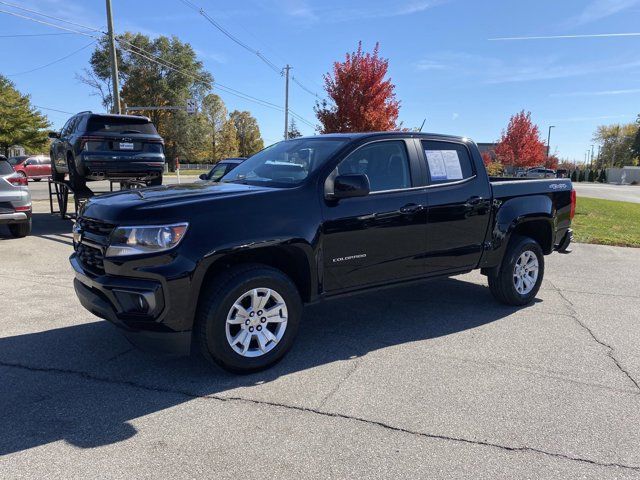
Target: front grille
(95,239)
(91,258)
(95,226)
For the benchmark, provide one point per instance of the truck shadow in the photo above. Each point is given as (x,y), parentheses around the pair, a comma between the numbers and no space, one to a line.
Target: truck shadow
(85,385)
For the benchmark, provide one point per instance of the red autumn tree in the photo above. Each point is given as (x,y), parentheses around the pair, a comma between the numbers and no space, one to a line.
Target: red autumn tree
(520,145)
(360,98)
(552,162)
(486,158)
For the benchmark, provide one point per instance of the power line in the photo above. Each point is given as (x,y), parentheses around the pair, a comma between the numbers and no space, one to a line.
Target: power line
(138,51)
(48,16)
(239,42)
(51,63)
(19,15)
(36,34)
(53,110)
(232,37)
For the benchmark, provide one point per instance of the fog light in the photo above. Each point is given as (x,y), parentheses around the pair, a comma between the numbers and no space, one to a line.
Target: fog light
(135,302)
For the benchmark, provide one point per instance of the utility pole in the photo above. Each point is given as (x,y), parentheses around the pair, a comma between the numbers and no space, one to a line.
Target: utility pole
(549,140)
(286,101)
(114,61)
(592,147)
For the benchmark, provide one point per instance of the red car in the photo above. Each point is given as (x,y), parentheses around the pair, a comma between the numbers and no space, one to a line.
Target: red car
(34,167)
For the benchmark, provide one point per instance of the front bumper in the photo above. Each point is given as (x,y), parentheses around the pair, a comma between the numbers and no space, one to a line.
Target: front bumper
(109,298)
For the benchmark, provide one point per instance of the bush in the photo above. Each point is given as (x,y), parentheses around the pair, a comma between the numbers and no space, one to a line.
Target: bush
(581,176)
(602,178)
(494,169)
(592,176)
(574,176)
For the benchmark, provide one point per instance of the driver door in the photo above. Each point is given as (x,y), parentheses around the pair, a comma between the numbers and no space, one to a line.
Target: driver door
(380,237)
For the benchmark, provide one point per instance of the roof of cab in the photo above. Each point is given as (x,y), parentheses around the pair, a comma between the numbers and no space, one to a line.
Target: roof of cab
(363,135)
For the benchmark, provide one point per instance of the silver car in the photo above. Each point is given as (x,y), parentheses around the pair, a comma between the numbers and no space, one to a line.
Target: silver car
(540,172)
(15,200)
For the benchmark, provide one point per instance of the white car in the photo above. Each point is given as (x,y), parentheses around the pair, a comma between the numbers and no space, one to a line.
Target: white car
(15,200)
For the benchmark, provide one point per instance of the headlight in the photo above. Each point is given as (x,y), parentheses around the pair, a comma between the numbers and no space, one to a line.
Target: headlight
(145,239)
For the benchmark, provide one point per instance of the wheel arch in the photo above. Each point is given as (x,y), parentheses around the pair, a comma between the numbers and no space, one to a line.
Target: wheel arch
(531,216)
(294,259)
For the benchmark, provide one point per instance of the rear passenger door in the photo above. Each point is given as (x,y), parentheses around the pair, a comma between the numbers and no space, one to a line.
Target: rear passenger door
(459,201)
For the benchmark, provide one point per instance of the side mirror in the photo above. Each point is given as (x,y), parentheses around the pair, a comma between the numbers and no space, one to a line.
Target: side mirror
(54,134)
(351,185)
(203,176)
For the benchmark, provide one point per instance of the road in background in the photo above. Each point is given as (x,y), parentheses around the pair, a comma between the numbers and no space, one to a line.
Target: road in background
(430,381)
(621,193)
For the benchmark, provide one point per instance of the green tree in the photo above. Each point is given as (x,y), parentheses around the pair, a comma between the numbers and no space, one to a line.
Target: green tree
(293,129)
(636,141)
(249,138)
(215,114)
(616,145)
(228,143)
(20,122)
(144,82)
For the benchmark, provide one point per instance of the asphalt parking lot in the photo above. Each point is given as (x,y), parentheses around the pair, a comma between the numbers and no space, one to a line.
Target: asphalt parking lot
(429,381)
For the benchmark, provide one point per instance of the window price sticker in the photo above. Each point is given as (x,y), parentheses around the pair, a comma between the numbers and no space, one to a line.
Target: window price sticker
(444,165)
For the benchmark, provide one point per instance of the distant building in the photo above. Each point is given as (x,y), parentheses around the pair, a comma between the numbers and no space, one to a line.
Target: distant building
(16,151)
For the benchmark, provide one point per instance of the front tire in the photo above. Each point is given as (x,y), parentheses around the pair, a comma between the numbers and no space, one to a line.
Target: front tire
(248,318)
(20,230)
(520,275)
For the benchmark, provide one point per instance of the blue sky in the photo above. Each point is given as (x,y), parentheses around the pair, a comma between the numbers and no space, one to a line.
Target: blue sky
(442,59)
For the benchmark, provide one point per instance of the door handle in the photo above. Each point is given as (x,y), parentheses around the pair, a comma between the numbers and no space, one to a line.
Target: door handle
(474,201)
(411,208)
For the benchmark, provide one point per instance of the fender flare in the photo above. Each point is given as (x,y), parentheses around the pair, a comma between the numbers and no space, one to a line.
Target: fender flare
(512,214)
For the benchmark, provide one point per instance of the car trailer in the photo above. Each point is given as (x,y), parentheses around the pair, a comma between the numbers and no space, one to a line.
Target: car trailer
(59,192)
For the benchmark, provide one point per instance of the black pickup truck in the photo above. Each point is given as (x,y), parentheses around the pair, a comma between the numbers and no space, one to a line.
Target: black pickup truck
(227,266)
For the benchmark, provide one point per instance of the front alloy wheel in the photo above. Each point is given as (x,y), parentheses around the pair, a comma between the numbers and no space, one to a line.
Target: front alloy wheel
(247,318)
(256,322)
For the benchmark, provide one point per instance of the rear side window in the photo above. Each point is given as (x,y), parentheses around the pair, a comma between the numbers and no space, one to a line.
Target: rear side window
(5,168)
(123,125)
(447,162)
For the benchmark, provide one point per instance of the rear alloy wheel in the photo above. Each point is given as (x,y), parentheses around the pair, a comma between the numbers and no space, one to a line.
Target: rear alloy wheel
(248,318)
(519,277)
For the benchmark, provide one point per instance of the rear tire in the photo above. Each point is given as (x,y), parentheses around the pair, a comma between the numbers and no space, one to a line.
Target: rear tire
(155,182)
(519,277)
(226,312)
(20,230)
(55,176)
(76,181)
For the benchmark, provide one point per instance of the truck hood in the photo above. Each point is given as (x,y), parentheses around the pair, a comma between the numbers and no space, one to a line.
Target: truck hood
(144,204)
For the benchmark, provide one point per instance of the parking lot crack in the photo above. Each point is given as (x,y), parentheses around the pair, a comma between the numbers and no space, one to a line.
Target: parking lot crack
(585,327)
(316,411)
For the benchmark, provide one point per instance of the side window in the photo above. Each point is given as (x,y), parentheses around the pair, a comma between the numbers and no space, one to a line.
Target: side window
(447,162)
(65,130)
(386,164)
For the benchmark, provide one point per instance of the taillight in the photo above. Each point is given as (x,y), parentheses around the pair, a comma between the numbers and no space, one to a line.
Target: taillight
(18,181)
(26,208)
(573,204)
(90,138)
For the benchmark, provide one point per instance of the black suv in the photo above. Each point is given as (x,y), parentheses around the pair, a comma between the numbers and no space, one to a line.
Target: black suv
(94,146)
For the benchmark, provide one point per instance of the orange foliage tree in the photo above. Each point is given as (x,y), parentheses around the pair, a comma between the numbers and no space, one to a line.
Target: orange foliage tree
(361,99)
(520,145)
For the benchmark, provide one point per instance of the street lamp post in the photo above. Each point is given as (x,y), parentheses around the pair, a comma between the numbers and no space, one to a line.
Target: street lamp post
(549,140)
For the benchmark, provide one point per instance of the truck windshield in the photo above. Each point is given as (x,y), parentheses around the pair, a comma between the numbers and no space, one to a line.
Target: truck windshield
(286,163)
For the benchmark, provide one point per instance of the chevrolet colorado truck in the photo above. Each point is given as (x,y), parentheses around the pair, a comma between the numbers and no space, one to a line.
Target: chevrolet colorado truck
(225,267)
